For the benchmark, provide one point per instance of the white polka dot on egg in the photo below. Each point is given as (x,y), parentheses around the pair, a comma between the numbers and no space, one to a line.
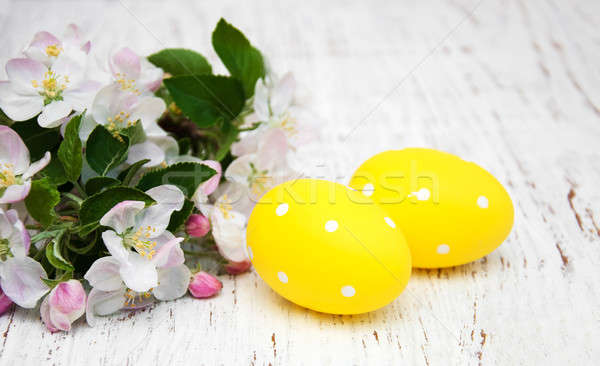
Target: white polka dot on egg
(423,194)
(443,249)
(282,209)
(482,202)
(331,226)
(390,222)
(348,291)
(368,190)
(282,277)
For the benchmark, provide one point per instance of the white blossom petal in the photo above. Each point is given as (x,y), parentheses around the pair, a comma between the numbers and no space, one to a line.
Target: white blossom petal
(248,144)
(22,71)
(21,281)
(82,96)
(139,274)
(114,244)
(37,166)
(104,275)
(53,113)
(150,77)
(71,64)
(122,216)
(173,282)
(148,110)
(13,229)
(103,303)
(168,196)
(240,169)
(261,101)
(126,62)
(283,93)
(230,234)
(170,148)
(13,150)
(15,193)
(19,107)
(146,150)
(87,126)
(169,253)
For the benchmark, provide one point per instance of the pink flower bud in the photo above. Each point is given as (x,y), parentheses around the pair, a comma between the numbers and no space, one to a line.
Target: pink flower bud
(64,304)
(197,225)
(5,302)
(236,268)
(204,285)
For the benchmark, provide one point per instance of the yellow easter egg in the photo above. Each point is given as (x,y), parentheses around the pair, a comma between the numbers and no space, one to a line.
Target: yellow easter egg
(450,211)
(328,248)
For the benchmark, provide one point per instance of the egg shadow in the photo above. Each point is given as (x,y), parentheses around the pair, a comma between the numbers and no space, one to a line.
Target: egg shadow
(490,263)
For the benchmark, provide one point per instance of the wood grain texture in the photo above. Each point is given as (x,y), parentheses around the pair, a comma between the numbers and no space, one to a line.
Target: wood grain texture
(514,87)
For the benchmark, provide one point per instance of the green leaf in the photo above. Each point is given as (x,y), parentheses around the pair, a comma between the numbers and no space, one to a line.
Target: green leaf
(206,98)
(187,176)
(55,170)
(85,230)
(42,199)
(70,150)
(53,283)
(37,139)
(231,133)
(85,246)
(44,235)
(243,61)
(185,145)
(179,218)
(135,133)
(96,184)
(93,208)
(128,174)
(55,258)
(4,119)
(179,61)
(105,151)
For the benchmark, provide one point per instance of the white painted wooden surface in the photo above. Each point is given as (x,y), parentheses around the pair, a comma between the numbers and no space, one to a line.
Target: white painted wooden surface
(515,87)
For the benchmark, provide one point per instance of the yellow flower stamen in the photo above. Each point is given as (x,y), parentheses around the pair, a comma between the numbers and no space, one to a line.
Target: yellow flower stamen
(7,175)
(119,122)
(126,84)
(141,242)
(52,86)
(225,206)
(53,50)
(130,297)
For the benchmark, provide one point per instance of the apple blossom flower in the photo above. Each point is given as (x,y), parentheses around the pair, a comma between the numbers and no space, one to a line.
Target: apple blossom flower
(228,227)
(20,275)
(204,285)
(264,169)
(197,225)
(65,304)
(46,47)
(134,73)
(274,108)
(15,167)
(119,109)
(5,302)
(235,268)
(54,91)
(110,293)
(143,230)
